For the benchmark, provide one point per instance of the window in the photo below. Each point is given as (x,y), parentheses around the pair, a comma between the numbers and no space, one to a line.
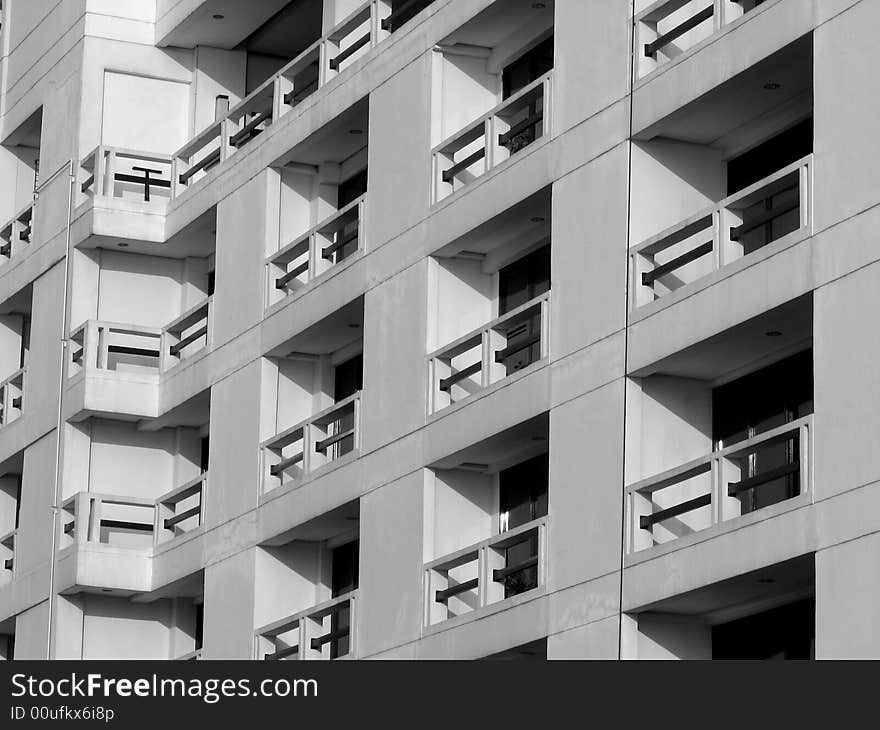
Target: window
(787,632)
(522,498)
(344,579)
(518,283)
(756,403)
(519,74)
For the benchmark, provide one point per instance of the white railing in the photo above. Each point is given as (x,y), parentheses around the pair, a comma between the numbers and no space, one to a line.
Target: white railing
(490,353)
(330,55)
(116,172)
(499,134)
(480,575)
(668,28)
(709,490)
(334,240)
(181,510)
(17,233)
(105,345)
(776,206)
(137,522)
(190,656)
(7,557)
(326,631)
(321,439)
(188,334)
(12,397)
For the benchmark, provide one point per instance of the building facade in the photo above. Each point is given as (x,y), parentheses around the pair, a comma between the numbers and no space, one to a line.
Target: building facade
(439,329)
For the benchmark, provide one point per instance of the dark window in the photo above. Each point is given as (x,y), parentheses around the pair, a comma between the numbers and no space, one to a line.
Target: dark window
(519,283)
(523,498)
(200,625)
(349,378)
(25,340)
(204,453)
(210,283)
(344,561)
(18,500)
(770,156)
(787,632)
(402,11)
(353,188)
(527,68)
(756,403)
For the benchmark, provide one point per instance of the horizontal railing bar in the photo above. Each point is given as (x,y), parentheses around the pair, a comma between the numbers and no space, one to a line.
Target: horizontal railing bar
(183,491)
(207,161)
(388,21)
(282,653)
(324,444)
(153,182)
(759,480)
(328,251)
(645,521)
(766,217)
(318,641)
(469,554)
(188,340)
(499,574)
(504,139)
(89,181)
(321,416)
(177,519)
(282,281)
(250,129)
(679,30)
(128,525)
(777,433)
(276,469)
(464,164)
(189,317)
(502,355)
(335,63)
(126,350)
(447,383)
(444,595)
(649,277)
(287,623)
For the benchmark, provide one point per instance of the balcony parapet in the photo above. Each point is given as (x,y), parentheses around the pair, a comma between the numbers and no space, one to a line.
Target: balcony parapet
(12,397)
(111,172)
(188,334)
(667,29)
(336,239)
(326,437)
(17,233)
(475,577)
(311,634)
(723,233)
(705,492)
(7,557)
(477,360)
(496,136)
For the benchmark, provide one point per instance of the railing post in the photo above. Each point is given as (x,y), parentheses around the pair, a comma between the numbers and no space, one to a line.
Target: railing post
(352,627)
(357,423)
(226,131)
(545,328)
(110,176)
(489,143)
(307,441)
(203,493)
(547,120)
(805,195)
(485,358)
(99,169)
(804,457)
(102,352)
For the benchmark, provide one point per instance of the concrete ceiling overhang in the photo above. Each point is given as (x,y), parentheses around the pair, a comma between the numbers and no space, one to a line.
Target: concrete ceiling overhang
(191,23)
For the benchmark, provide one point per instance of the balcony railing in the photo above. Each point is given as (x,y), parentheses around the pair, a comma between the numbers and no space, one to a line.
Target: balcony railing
(490,353)
(499,134)
(17,233)
(326,631)
(188,334)
(719,486)
(319,440)
(181,510)
(334,240)
(486,573)
(327,57)
(134,522)
(190,656)
(106,346)
(115,172)
(777,206)
(11,397)
(668,28)
(7,556)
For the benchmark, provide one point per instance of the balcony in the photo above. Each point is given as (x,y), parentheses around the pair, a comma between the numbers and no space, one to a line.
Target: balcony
(187,335)
(775,208)
(667,29)
(326,631)
(489,354)
(324,438)
(496,136)
(17,233)
(11,397)
(134,522)
(713,488)
(7,557)
(483,574)
(114,172)
(336,239)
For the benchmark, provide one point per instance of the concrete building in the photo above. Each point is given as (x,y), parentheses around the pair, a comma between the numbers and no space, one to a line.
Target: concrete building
(439,329)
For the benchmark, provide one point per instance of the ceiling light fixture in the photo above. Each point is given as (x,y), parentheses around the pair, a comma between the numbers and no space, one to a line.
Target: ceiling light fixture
(122,244)
(537,219)
(218,16)
(539,6)
(356,131)
(771,86)
(773,333)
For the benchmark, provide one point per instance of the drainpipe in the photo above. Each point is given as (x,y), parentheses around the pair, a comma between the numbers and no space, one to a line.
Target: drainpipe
(62,372)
